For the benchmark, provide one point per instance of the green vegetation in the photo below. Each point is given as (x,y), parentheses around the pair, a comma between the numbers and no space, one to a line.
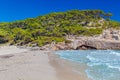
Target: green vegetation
(55,26)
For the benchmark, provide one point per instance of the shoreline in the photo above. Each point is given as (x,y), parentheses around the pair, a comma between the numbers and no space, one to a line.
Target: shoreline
(38,65)
(66,70)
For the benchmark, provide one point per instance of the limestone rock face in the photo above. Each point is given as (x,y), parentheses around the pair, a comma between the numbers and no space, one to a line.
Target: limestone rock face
(88,44)
(63,46)
(110,39)
(111,35)
(100,44)
(59,46)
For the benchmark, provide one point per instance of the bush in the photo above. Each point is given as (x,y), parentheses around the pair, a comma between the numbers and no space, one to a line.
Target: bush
(67,41)
(93,31)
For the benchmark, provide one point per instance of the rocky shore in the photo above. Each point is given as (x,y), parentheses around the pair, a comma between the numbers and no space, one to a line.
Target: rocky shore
(110,39)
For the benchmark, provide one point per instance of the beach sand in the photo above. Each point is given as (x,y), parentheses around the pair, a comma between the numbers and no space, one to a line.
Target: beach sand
(23,64)
(66,70)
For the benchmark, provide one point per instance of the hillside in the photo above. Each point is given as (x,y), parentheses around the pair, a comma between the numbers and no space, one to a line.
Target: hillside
(45,29)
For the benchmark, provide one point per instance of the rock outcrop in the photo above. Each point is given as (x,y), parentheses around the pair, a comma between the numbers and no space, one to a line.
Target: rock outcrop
(97,44)
(110,39)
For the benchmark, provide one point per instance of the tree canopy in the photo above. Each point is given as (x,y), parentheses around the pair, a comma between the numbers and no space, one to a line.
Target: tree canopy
(55,26)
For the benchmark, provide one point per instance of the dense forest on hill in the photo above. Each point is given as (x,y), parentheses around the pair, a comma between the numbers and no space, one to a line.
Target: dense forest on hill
(55,26)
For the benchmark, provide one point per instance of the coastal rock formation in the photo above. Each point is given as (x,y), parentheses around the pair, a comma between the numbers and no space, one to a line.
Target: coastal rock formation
(98,44)
(89,44)
(59,46)
(111,35)
(110,39)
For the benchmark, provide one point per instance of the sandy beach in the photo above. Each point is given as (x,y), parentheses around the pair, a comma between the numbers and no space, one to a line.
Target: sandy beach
(23,64)
(66,70)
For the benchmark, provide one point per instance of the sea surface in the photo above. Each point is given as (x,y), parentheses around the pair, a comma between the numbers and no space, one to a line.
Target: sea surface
(101,64)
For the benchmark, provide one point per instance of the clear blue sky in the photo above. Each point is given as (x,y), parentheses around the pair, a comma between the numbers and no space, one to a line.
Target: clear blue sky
(11,10)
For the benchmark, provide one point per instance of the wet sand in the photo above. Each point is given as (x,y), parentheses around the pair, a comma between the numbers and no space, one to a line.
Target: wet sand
(23,64)
(66,70)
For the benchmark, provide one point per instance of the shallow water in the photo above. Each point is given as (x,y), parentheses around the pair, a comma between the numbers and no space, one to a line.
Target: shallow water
(102,64)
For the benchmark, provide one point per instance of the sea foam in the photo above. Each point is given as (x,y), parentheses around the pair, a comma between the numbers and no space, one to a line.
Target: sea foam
(101,63)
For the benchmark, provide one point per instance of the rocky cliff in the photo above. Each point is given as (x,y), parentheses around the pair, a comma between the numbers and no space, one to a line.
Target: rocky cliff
(110,39)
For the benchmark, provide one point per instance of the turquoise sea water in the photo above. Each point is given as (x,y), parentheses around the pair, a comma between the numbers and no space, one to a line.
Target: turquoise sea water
(102,64)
